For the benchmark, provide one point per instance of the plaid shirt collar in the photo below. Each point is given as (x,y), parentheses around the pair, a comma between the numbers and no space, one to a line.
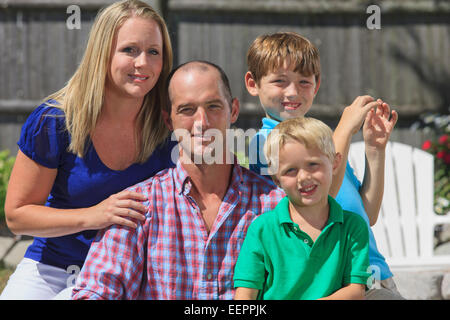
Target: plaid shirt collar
(183,182)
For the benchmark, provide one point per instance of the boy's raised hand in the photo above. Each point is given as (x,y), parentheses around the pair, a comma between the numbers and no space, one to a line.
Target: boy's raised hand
(351,121)
(354,115)
(378,125)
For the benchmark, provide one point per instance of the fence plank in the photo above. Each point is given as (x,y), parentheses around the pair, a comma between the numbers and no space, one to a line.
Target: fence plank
(405,62)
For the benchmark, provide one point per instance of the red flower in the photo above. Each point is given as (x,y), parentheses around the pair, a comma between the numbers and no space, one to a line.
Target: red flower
(440,155)
(447,158)
(443,139)
(426,145)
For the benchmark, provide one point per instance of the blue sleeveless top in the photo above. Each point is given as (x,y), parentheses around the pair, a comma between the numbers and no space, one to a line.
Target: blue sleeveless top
(79,183)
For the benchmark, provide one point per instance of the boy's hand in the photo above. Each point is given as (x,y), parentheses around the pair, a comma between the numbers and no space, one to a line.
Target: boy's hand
(245,294)
(354,115)
(376,132)
(379,125)
(351,121)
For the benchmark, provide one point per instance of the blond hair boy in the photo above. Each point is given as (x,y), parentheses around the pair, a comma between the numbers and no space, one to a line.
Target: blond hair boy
(307,247)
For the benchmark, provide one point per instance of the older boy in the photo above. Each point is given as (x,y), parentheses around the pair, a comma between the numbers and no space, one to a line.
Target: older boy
(307,247)
(284,72)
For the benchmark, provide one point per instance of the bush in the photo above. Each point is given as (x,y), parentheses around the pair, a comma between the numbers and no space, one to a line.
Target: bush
(6,164)
(438,127)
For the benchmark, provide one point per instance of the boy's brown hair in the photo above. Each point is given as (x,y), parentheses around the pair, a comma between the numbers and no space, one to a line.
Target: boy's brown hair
(268,52)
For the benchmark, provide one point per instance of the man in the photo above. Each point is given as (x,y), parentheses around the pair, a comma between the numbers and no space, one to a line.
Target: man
(198,212)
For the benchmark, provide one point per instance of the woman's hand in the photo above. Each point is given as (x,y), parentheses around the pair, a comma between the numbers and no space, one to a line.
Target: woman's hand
(123,208)
(26,214)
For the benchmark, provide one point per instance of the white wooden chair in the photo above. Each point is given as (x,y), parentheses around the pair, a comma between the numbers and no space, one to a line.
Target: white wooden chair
(404,231)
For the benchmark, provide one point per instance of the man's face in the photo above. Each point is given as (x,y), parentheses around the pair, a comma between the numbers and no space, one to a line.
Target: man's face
(200,112)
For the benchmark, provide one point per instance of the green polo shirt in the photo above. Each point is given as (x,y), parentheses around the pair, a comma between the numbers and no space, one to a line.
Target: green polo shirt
(283,262)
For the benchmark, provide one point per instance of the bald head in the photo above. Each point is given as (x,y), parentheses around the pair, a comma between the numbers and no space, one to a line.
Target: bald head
(201,67)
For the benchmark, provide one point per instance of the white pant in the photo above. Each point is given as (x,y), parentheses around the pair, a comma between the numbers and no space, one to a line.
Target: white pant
(33,280)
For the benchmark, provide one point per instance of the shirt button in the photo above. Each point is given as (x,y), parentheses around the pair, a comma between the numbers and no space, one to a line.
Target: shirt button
(209,276)
(305,241)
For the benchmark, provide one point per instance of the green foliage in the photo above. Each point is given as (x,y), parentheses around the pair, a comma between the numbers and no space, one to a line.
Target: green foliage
(5,273)
(6,164)
(242,159)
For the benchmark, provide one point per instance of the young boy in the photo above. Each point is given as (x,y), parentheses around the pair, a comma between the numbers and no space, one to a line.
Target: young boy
(284,72)
(307,247)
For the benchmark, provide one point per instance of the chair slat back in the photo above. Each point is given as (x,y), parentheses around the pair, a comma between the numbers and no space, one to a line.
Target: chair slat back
(424,169)
(404,231)
(390,210)
(402,157)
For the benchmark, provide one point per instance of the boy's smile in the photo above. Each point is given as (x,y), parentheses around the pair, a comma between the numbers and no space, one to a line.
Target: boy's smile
(291,105)
(305,174)
(308,190)
(284,93)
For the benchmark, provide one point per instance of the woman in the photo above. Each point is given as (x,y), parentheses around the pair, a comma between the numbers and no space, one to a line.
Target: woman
(101,133)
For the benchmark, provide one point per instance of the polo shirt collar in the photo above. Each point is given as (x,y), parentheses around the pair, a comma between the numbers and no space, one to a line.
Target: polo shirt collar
(335,215)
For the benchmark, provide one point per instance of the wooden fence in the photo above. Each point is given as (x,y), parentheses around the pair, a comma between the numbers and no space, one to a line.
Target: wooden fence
(406,61)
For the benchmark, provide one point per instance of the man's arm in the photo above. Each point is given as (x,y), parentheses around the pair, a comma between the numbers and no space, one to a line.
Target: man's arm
(114,266)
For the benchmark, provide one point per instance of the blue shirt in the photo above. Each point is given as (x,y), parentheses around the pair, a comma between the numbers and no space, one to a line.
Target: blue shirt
(350,199)
(256,158)
(348,196)
(79,183)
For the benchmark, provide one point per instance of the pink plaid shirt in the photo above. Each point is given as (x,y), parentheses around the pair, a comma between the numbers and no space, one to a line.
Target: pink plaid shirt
(171,255)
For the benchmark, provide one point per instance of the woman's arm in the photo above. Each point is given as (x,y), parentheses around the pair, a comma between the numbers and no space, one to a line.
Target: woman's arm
(26,213)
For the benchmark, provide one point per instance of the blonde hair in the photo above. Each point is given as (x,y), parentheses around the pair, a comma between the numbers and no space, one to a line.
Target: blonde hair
(310,132)
(82,97)
(268,52)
